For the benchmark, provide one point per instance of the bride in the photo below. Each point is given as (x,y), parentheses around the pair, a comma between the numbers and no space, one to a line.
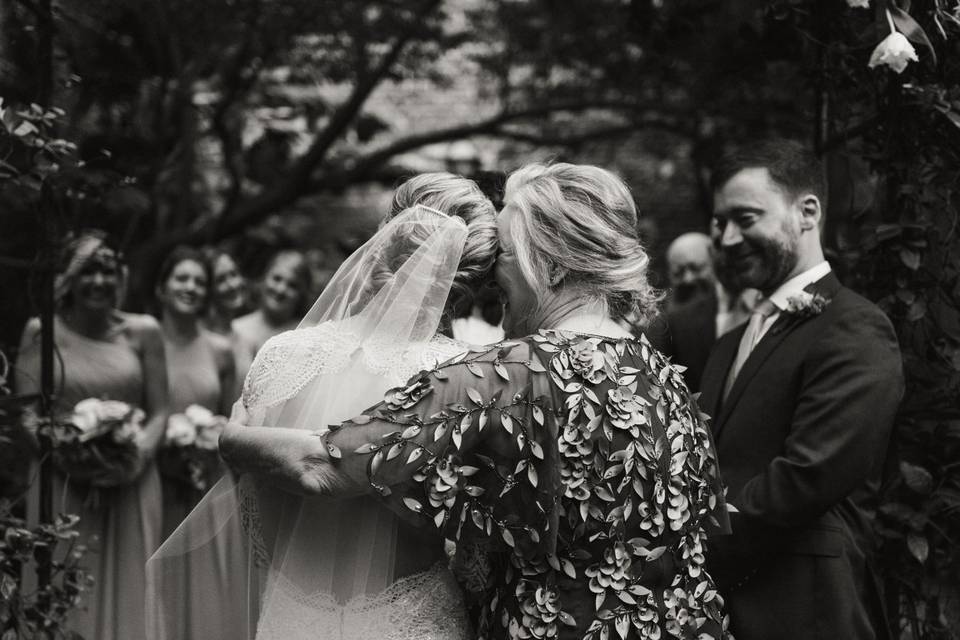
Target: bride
(321,568)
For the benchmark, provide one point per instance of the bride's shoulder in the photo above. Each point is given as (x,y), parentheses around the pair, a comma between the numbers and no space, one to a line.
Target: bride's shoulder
(307,338)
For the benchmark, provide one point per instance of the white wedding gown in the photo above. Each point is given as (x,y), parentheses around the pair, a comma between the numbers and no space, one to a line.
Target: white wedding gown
(422,606)
(322,568)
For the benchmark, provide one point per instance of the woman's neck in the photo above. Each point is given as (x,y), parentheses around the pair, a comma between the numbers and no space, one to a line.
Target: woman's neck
(572,311)
(179,327)
(91,323)
(218,322)
(272,320)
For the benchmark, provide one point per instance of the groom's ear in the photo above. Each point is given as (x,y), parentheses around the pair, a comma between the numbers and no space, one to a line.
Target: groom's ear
(810,212)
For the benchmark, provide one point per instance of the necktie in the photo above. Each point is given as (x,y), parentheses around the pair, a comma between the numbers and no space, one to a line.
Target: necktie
(751,336)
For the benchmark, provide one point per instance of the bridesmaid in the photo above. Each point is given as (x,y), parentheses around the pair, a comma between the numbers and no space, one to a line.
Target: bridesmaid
(284,290)
(229,298)
(201,370)
(228,291)
(200,364)
(108,354)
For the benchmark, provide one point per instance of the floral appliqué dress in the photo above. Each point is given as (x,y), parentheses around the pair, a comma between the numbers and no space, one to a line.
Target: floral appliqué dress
(575,475)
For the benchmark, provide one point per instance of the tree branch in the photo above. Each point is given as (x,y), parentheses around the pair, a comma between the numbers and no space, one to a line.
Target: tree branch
(256,208)
(298,177)
(489,126)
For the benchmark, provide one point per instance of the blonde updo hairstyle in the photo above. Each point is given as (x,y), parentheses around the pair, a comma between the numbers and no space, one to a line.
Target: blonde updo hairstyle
(459,197)
(578,227)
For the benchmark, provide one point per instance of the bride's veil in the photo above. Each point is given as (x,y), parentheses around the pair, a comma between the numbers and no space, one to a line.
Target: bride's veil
(258,562)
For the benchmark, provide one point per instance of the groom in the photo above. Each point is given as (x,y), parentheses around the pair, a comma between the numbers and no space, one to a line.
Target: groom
(803,398)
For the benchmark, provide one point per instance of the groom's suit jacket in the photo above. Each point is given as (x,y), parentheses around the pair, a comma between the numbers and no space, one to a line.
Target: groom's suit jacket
(802,440)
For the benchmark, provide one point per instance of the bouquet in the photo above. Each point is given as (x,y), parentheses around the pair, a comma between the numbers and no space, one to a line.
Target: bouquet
(189,453)
(97,442)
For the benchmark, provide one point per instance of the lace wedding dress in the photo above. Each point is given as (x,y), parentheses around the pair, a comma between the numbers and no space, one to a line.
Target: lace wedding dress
(333,568)
(426,604)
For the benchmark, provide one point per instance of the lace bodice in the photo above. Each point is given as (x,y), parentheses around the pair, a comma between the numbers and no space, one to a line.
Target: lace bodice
(574,473)
(288,361)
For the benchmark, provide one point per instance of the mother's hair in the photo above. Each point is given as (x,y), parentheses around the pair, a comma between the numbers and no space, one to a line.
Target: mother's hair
(458,197)
(577,226)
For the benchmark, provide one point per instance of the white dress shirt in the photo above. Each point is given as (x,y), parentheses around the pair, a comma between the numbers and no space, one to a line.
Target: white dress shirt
(732,311)
(790,288)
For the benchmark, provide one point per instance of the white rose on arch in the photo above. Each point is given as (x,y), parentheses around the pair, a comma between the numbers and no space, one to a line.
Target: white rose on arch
(895,51)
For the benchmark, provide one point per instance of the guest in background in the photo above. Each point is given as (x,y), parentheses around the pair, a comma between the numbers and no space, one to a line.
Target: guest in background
(201,371)
(713,305)
(200,365)
(228,291)
(690,267)
(284,291)
(229,297)
(106,354)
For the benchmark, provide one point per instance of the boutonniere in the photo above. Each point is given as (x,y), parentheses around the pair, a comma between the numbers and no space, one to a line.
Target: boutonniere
(806,304)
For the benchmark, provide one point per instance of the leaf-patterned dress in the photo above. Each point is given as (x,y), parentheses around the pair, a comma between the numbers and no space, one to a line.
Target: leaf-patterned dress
(578,466)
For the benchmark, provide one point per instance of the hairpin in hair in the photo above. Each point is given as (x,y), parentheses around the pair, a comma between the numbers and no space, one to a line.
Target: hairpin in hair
(431,210)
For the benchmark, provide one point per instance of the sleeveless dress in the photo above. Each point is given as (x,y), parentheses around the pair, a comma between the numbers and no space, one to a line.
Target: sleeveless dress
(193,378)
(122,527)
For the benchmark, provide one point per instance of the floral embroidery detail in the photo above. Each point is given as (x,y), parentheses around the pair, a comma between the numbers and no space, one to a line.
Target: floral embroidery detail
(587,360)
(580,464)
(541,612)
(806,304)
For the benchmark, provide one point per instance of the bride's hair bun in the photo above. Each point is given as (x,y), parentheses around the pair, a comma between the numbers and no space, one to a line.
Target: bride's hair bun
(578,226)
(458,197)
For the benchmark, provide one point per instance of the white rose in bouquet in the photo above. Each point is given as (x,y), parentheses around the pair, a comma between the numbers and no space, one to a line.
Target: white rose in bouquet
(91,455)
(86,417)
(208,437)
(130,427)
(200,416)
(114,410)
(180,431)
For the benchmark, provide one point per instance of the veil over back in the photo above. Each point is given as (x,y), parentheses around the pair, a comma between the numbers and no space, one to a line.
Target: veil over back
(306,559)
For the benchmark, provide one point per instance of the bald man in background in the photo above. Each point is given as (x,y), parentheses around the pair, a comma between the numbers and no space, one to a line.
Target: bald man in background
(690,267)
(703,305)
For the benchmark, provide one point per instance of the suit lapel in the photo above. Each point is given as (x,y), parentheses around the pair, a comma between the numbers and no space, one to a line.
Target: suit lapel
(712,386)
(827,287)
(770,341)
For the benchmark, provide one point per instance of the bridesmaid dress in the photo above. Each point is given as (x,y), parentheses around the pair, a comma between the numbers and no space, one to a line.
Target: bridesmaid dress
(122,526)
(193,378)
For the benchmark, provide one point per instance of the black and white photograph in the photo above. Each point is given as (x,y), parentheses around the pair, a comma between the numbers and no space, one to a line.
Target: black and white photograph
(480,320)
